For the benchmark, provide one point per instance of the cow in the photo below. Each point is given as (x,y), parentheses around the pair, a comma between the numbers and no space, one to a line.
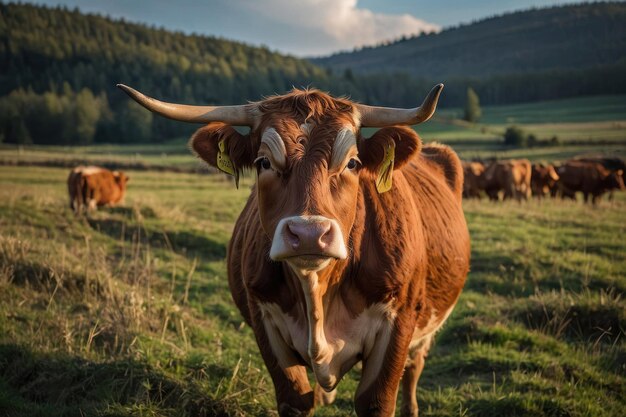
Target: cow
(612,163)
(590,178)
(543,179)
(349,249)
(473,181)
(511,176)
(91,186)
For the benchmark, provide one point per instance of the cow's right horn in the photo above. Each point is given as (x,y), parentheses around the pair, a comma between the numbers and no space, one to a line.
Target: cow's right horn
(372,116)
(241,115)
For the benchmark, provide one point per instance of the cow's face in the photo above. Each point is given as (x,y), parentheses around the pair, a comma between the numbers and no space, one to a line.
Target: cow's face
(309,167)
(121,179)
(616,180)
(310,161)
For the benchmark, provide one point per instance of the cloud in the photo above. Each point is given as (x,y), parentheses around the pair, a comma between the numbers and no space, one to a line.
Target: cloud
(298,27)
(334,24)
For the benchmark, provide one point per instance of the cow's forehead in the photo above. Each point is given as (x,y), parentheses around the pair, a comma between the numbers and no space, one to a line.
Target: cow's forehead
(338,140)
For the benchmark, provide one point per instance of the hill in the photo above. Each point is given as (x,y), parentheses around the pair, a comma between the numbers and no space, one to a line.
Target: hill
(53,58)
(581,36)
(59,67)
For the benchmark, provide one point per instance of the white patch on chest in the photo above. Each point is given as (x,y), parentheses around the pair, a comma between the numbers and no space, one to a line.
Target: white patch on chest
(336,344)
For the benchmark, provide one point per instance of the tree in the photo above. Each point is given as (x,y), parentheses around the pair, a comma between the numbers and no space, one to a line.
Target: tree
(135,123)
(472,106)
(515,136)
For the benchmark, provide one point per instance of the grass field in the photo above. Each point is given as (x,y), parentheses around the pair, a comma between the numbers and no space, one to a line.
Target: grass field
(127,312)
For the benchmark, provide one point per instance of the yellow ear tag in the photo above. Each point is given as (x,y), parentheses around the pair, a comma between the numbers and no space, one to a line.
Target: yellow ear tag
(384,179)
(225,164)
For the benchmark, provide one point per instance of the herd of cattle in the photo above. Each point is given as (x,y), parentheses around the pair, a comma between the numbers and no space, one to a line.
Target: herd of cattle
(519,179)
(91,186)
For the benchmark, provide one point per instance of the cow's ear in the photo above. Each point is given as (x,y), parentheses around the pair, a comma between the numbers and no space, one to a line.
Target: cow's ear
(374,150)
(208,140)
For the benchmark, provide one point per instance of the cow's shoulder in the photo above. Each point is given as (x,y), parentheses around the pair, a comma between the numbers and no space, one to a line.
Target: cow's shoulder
(446,160)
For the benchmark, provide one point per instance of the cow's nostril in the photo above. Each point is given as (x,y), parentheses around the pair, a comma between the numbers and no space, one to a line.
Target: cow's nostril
(291,236)
(326,236)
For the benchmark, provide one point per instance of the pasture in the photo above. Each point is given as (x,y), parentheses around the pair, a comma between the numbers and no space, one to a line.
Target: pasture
(127,312)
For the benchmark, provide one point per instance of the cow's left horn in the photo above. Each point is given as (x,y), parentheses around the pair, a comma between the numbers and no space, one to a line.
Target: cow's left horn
(372,116)
(241,115)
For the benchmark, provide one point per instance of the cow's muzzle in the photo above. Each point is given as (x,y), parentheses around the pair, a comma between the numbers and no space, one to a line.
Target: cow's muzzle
(308,241)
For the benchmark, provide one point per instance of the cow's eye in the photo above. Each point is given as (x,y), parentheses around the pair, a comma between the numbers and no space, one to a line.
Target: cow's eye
(263,163)
(352,164)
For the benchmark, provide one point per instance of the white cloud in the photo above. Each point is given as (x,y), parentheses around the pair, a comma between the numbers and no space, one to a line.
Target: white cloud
(299,27)
(337,24)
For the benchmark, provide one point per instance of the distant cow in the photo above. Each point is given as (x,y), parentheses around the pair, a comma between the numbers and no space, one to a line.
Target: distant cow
(92,186)
(612,163)
(543,179)
(473,179)
(349,249)
(510,176)
(590,178)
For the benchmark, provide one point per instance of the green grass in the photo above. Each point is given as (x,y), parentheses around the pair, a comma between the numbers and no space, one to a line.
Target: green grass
(128,312)
(582,125)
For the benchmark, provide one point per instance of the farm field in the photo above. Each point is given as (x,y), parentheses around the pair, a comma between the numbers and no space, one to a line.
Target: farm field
(598,118)
(127,312)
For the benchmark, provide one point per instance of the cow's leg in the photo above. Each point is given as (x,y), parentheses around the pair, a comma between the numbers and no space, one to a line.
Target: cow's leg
(382,368)
(586,195)
(294,395)
(595,198)
(412,372)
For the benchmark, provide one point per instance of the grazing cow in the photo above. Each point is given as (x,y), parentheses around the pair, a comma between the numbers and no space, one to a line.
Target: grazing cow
(612,163)
(543,179)
(590,178)
(349,248)
(93,186)
(473,181)
(510,176)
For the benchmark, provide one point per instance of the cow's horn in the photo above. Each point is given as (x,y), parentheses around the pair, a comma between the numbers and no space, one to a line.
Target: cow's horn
(372,116)
(234,115)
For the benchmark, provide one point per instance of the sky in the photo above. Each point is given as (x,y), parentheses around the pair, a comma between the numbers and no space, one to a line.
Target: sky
(304,27)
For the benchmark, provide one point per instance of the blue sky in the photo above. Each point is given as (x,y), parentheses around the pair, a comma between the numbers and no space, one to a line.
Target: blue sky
(304,27)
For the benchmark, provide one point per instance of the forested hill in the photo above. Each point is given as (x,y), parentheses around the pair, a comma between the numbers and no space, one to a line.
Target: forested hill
(581,36)
(50,58)
(59,68)
(41,47)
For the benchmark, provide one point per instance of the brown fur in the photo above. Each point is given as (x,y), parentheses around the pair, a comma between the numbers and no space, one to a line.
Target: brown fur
(408,247)
(511,176)
(473,181)
(91,187)
(543,179)
(590,178)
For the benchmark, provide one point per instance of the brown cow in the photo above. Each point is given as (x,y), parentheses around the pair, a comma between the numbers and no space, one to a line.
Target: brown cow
(325,266)
(590,178)
(473,181)
(612,163)
(510,176)
(91,186)
(543,179)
